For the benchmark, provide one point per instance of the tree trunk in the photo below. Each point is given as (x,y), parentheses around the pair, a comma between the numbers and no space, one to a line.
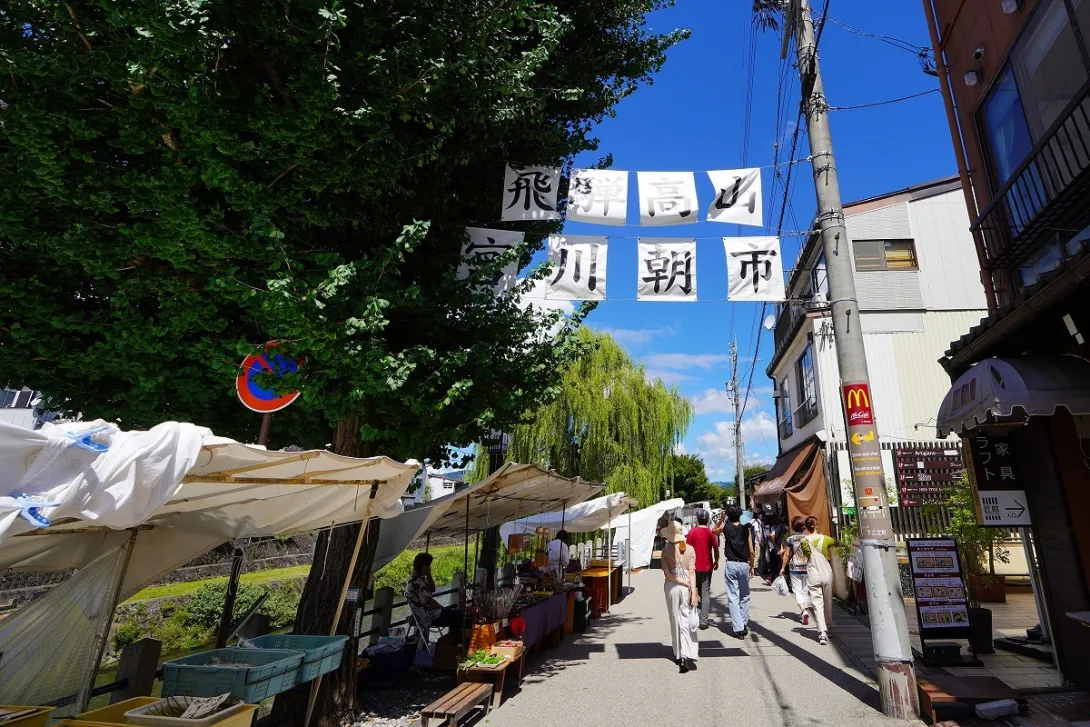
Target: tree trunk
(332,554)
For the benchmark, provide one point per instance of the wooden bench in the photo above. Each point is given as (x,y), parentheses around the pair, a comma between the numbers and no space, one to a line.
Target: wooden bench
(457,703)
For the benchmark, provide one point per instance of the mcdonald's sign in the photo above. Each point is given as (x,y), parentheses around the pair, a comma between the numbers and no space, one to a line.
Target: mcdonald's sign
(857,405)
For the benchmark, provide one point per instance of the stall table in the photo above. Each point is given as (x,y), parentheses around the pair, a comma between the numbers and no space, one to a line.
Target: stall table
(494,675)
(542,619)
(595,580)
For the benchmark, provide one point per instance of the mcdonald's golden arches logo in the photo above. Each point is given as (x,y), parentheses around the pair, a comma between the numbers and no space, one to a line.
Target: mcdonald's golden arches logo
(857,405)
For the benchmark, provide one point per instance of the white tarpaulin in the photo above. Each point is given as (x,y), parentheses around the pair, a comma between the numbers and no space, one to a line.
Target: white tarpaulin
(599,196)
(754,269)
(643,529)
(485,246)
(185,490)
(737,197)
(586,517)
(666,269)
(667,198)
(579,267)
(530,193)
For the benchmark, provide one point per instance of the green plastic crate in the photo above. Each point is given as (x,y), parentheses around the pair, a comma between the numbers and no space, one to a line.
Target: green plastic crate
(322,654)
(267,673)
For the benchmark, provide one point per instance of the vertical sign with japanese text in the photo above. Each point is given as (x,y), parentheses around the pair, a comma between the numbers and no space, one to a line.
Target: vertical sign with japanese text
(996,481)
(865,457)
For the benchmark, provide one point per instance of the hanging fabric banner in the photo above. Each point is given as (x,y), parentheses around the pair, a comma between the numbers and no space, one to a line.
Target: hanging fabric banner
(483,247)
(754,269)
(530,194)
(667,198)
(598,195)
(579,267)
(737,197)
(667,269)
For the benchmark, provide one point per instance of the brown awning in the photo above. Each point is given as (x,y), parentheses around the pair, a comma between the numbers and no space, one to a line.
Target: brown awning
(779,477)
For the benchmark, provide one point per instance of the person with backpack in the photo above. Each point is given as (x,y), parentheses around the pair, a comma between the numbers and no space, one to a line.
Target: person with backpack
(819,578)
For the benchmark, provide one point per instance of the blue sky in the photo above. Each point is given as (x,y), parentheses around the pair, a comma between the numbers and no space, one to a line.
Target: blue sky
(691,118)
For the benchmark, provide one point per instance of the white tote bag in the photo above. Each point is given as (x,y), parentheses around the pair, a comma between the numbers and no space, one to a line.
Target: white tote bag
(818,570)
(691,618)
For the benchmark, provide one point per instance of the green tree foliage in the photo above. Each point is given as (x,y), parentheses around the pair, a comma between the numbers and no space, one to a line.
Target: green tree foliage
(690,480)
(608,424)
(182,181)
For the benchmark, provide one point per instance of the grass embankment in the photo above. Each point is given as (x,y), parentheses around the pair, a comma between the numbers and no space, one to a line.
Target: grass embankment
(260,578)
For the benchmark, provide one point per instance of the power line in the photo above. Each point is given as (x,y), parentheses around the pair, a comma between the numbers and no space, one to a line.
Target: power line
(923,53)
(884,103)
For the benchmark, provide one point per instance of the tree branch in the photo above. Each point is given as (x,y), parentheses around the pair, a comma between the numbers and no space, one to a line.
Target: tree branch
(79,28)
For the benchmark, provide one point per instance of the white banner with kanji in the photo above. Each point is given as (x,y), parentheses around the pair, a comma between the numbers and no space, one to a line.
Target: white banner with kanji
(754,269)
(737,197)
(578,267)
(484,246)
(598,195)
(530,194)
(666,269)
(667,198)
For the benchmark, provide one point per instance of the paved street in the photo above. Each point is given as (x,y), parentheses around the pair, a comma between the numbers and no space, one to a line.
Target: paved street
(620,672)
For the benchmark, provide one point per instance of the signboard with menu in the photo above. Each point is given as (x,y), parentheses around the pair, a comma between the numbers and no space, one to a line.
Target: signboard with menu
(941,603)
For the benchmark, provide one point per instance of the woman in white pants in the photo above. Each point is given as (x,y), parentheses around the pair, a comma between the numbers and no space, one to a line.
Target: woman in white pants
(679,567)
(794,566)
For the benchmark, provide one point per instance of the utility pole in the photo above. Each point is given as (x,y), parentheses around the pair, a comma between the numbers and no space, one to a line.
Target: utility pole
(889,626)
(739,477)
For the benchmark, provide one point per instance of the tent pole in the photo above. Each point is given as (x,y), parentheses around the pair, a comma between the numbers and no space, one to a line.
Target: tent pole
(465,580)
(102,635)
(317,684)
(628,549)
(427,542)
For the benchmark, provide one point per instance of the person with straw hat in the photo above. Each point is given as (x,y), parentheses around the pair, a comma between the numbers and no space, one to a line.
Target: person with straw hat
(679,567)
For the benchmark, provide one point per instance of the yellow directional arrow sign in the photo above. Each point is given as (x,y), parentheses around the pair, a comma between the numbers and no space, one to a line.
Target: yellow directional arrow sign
(858,438)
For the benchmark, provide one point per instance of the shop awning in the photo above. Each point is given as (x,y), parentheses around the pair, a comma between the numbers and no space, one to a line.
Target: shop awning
(584,517)
(512,492)
(181,489)
(779,477)
(1004,387)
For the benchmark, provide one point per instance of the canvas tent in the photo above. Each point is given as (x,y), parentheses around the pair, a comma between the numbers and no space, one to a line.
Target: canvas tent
(513,491)
(584,517)
(126,508)
(639,529)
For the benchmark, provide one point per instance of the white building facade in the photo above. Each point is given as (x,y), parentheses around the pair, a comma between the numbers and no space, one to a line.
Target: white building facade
(918,285)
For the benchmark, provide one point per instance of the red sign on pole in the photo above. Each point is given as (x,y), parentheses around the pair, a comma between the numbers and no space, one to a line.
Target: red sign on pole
(857,404)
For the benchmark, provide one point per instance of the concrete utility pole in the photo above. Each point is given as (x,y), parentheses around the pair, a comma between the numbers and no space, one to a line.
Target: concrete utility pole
(739,477)
(889,627)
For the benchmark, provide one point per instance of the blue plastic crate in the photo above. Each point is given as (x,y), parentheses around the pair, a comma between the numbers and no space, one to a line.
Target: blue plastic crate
(267,672)
(322,653)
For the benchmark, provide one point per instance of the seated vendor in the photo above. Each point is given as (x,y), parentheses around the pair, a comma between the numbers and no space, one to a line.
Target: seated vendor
(420,593)
(559,554)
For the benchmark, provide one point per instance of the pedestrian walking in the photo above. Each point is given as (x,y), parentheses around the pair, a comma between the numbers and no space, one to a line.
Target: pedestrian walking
(679,567)
(819,578)
(759,534)
(793,565)
(705,546)
(738,553)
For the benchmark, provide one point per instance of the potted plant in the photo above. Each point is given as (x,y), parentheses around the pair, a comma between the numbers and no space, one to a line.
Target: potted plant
(979,549)
(840,553)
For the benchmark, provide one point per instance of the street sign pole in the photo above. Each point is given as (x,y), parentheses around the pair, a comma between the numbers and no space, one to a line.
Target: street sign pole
(266,423)
(888,621)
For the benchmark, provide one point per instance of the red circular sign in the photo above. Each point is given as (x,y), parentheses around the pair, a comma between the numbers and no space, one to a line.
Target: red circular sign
(256,398)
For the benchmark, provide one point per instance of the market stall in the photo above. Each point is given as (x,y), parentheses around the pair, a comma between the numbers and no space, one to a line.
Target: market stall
(126,508)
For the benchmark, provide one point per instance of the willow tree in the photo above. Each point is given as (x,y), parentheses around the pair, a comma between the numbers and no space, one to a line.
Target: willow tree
(609,423)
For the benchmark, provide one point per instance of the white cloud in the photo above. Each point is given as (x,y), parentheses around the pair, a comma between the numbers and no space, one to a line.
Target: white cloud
(680,449)
(670,378)
(685,361)
(712,401)
(639,336)
(716,446)
(759,426)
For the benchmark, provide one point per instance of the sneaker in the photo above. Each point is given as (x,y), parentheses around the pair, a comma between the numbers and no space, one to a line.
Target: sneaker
(823,639)
(683,668)
(692,664)
(739,634)
(805,619)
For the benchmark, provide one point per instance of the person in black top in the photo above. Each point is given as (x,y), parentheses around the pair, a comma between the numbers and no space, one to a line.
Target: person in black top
(738,552)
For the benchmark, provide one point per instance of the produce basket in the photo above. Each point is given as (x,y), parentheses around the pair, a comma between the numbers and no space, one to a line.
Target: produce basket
(239,715)
(249,674)
(322,654)
(114,713)
(36,718)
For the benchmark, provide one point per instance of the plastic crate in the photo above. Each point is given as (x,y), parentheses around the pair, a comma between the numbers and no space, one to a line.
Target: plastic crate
(322,653)
(114,713)
(240,715)
(267,673)
(35,719)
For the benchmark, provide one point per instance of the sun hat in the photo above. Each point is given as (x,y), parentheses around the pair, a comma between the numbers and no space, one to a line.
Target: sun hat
(673,533)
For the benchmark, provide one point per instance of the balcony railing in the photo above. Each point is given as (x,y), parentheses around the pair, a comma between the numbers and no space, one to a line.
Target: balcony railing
(789,321)
(806,412)
(1044,193)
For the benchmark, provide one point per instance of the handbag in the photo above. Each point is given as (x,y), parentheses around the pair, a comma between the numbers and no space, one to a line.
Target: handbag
(691,616)
(818,570)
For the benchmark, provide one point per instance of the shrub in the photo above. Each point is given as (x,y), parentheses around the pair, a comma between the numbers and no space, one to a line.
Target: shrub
(282,603)
(396,573)
(207,603)
(127,632)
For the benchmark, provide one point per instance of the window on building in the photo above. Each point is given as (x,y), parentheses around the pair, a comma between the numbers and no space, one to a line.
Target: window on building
(1045,73)
(783,409)
(807,388)
(875,255)
(819,276)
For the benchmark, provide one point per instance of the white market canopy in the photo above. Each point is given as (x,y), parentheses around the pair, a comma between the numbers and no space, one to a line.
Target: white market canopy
(1003,387)
(179,488)
(584,517)
(642,538)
